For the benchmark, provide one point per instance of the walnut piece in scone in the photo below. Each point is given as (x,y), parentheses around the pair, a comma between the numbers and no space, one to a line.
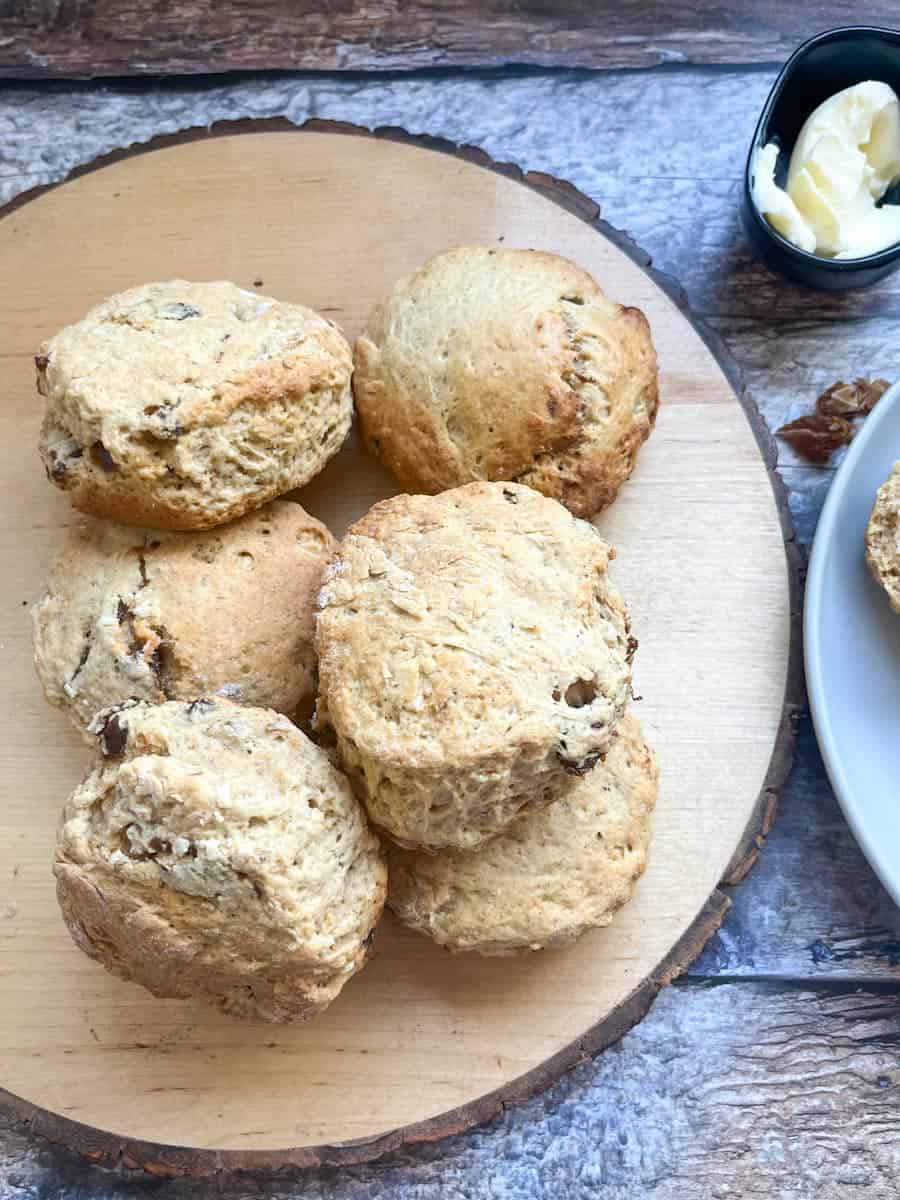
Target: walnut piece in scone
(883,537)
(146,615)
(183,405)
(214,852)
(473,657)
(549,876)
(492,363)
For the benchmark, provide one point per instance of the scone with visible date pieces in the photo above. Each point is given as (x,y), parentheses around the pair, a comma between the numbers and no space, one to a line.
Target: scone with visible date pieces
(183,405)
(214,852)
(145,615)
(551,875)
(473,657)
(883,537)
(507,364)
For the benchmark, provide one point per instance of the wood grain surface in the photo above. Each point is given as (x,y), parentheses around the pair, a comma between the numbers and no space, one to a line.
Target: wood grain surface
(105,1054)
(87,38)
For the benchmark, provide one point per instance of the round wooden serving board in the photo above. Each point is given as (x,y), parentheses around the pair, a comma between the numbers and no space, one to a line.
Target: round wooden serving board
(421,1043)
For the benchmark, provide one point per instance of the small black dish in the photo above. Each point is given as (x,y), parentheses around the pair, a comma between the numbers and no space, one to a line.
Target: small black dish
(825,64)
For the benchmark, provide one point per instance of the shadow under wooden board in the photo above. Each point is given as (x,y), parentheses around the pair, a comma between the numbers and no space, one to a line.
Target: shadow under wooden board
(421,1044)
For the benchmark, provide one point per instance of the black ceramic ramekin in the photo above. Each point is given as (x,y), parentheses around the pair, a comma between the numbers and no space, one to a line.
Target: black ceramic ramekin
(822,66)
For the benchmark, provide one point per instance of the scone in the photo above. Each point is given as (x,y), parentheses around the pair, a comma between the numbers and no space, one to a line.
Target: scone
(473,658)
(135,614)
(183,405)
(507,364)
(883,537)
(549,877)
(214,852)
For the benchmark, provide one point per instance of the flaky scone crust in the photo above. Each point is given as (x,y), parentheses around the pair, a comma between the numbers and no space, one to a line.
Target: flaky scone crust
(494,363)
(551,875)
(214,852)
(182,405)
(473,656)
(150,615)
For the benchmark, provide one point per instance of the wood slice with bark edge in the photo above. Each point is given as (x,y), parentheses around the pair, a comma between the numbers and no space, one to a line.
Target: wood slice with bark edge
(176,1160)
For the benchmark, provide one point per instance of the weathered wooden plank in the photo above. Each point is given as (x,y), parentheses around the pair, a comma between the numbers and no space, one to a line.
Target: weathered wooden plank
(787,363)
(668,181)
(723,1092)
(811,909)
(88,38)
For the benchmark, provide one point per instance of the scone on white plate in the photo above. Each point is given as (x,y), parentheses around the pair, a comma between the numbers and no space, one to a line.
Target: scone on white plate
(883,537)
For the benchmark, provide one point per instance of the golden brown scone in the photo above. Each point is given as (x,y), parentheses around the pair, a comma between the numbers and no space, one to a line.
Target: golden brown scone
(473,656)
(183,405)
(507,364)
(883,537)
(551,875)
(145,615)
(214,852)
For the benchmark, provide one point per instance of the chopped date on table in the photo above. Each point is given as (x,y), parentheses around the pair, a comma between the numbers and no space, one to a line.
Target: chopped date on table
(851,399)
(817,435)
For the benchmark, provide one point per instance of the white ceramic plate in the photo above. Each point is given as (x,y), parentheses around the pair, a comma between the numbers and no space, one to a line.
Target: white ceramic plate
(852,650)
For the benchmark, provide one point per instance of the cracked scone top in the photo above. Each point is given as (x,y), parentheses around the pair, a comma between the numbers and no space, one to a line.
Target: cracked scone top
(507,364)
(214,852)
(883,537)
(183,405)
(147,615)
(551,875)
(473,657)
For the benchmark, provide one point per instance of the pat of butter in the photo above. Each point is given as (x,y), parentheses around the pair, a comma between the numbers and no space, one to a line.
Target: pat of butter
(845,159)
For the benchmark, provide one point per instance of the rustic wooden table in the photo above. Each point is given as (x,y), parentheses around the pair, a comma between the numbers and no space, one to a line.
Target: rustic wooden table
(772,1068)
